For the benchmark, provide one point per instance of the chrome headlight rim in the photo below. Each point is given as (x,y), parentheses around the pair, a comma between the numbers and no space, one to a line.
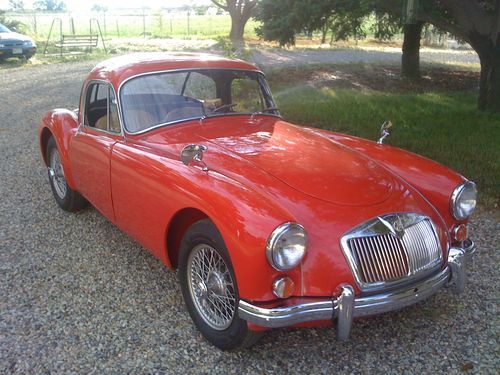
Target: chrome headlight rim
(275,236)
(455,199)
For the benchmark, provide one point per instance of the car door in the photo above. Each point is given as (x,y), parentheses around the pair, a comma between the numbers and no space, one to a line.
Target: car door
(91,148)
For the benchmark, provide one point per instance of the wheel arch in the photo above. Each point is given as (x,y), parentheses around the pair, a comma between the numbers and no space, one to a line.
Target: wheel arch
(61,124)
(177,227)
(45,135)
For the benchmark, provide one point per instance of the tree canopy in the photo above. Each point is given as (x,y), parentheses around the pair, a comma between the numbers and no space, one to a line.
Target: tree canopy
(50,5)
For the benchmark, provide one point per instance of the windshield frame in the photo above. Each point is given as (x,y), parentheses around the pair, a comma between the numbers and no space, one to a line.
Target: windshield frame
(262,83)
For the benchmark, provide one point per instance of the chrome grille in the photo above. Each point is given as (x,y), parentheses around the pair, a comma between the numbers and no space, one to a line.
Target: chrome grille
(378,253)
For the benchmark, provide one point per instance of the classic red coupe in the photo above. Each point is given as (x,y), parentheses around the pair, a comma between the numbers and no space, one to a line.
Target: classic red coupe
(268,223)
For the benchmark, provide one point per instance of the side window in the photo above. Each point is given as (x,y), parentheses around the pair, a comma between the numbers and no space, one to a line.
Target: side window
(246,95)
(100,108)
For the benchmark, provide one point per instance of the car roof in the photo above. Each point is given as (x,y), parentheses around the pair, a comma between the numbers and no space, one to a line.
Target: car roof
(118,69)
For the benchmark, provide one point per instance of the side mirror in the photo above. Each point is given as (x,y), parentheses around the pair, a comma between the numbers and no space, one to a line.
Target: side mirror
(14,28)
(385,131)
(192,153)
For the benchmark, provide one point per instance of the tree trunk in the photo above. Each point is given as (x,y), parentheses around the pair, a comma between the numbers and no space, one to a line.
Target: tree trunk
(410,62)
(489,84)
(238,23)
(324,32)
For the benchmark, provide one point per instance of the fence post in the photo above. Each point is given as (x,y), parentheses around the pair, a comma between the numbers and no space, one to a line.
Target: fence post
(189,13)
(117,28)
(34,23)
(144,22)
(104,23)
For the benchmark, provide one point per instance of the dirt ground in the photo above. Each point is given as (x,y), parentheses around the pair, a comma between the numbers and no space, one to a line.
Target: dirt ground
(378,78)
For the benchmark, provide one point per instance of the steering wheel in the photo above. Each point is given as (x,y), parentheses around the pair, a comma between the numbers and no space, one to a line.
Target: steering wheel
(225,106)
(187,99)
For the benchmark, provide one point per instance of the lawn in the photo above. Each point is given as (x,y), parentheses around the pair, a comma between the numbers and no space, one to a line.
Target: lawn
(443,125)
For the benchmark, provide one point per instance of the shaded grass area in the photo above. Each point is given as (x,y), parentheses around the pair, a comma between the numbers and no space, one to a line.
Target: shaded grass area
(442,125)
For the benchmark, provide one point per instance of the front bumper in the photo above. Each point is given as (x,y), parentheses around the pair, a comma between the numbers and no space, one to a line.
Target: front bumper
(7,52)
(347,306)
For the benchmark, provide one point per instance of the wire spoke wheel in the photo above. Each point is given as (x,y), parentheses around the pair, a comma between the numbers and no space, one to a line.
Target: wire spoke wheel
(56,174)
(211,287)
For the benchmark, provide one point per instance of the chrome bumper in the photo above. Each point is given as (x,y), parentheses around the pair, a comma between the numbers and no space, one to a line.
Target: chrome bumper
(346,306)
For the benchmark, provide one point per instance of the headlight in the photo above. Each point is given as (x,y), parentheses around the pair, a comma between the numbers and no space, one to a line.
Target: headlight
(1,45)
(286,246)
(27,43)
(463,200)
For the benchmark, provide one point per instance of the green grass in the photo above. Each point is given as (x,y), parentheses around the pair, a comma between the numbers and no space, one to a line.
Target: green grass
(442,126)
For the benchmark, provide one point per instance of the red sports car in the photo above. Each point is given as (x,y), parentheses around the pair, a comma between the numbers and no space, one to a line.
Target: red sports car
(268,223)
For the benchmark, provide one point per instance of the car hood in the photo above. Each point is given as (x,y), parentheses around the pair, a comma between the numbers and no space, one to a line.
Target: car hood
(14,36)
(304,160)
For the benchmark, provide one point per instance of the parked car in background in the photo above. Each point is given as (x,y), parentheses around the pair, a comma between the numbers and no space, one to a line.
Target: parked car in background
(269,224)
(13,44)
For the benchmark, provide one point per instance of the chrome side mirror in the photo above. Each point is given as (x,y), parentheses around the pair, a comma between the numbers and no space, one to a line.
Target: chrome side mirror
(385,131)
(194,153)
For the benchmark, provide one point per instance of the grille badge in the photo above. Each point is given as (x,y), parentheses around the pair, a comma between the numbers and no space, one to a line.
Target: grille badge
(394,224)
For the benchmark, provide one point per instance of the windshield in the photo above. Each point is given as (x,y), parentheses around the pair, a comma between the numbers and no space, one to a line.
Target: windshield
(3,29)
(166,98)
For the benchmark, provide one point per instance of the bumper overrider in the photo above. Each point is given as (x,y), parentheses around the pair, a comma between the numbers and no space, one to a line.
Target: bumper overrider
(346,306)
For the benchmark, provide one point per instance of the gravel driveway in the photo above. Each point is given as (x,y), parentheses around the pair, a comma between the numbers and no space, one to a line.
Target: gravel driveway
(78,295)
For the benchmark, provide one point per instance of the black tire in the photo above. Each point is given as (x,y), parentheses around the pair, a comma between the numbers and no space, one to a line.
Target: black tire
(237,334)
(67,198)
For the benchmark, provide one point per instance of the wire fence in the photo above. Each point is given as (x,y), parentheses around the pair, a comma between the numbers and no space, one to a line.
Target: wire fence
(139,23)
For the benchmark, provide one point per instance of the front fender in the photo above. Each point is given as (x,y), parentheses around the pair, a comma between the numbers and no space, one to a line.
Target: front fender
(151,186)
(434,181)
(61,124)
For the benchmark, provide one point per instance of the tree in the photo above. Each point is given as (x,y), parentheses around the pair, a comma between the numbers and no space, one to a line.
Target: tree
(240,12)
(99,8)
(474,21)
(50,5)
(11,24)
(283,19)
(16,5)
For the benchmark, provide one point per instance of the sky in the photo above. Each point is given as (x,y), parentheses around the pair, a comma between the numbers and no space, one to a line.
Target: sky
(76,5)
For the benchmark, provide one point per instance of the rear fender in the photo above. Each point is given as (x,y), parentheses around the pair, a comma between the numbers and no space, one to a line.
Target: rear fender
(61,124)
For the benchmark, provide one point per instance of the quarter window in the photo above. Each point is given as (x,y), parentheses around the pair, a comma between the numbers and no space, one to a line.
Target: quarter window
(100,109)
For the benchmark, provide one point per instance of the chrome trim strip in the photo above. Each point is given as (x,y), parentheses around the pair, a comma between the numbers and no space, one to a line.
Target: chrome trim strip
(347,307)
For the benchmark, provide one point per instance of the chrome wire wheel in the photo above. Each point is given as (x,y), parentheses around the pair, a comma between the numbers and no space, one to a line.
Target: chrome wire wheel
(211,287)
(56,174)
